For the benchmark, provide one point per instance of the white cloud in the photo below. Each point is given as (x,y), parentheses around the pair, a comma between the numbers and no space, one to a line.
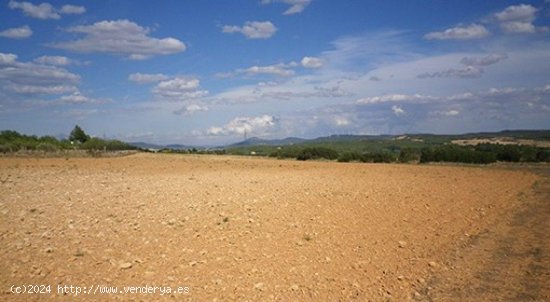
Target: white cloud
(397,110)
(452,113)
(341,121)
(502,91)
(278,70)
(143,78)
(312,62)
(7,59)
(522,12)
(473,31)
(54,60)
(75,98)
(72,9)
(27,78)
(17,32)
(191,108)
(252,29)
(483,61)
(518,27)
(465,73)
(121,37)
(517,19)
(296,6)
(238,126)
(281,69)
(45,10)
(179,89)
(395,98)
(78,98)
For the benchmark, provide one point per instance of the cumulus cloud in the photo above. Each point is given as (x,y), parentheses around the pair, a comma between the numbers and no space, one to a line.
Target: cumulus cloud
(278,70)
(54,60)
(312,62)
(296,6)
(179,89)
(190,109)
(72,9)
(395,98)
(467,72)
(45,10)
(473,31)
(144,78)
(17,32)
(7,59)
(518,27)
(281,69)
(483,61)
(397,110)
(522,12)
(518,19)
(75,98)
(120,37)
(240,125)
(78,98)
(452,113)
(27,78)
(252,29)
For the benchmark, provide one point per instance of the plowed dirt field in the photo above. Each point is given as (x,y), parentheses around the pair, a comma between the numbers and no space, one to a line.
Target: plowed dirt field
(217,228)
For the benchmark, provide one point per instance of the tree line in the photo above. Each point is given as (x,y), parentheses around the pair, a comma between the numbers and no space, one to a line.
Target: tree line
(480,154)
(13,141)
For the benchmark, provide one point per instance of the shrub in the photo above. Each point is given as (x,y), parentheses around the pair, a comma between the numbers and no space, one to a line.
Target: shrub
(47,147)
(378,157)
(453,153)
(5,148)
(350,157)
(93,144)
(285,153)
(409,154)
(317,153)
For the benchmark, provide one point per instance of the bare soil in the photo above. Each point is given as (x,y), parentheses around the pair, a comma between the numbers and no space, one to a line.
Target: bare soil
(238,229)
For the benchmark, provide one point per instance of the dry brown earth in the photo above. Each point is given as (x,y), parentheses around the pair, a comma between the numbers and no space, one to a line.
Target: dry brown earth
(248,229)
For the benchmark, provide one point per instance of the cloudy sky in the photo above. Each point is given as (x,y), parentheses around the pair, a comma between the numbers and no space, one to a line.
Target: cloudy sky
(205,72)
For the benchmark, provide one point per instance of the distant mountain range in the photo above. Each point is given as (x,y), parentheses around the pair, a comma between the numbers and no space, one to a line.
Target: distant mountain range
(255,141)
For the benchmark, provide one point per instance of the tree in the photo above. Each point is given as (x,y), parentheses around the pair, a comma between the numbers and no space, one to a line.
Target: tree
(78,135)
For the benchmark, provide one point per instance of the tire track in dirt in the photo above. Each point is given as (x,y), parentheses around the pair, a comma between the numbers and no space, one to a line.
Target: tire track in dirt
(508,262)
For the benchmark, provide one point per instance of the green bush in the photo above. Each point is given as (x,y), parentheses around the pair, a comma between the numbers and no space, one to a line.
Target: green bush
(7,147)
(454,153)
(317,153)
(47,147)
(285,153)
(379,157)
(408,154)
(350,157)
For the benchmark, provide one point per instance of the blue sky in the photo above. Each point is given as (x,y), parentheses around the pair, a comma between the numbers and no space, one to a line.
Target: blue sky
(205,72)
